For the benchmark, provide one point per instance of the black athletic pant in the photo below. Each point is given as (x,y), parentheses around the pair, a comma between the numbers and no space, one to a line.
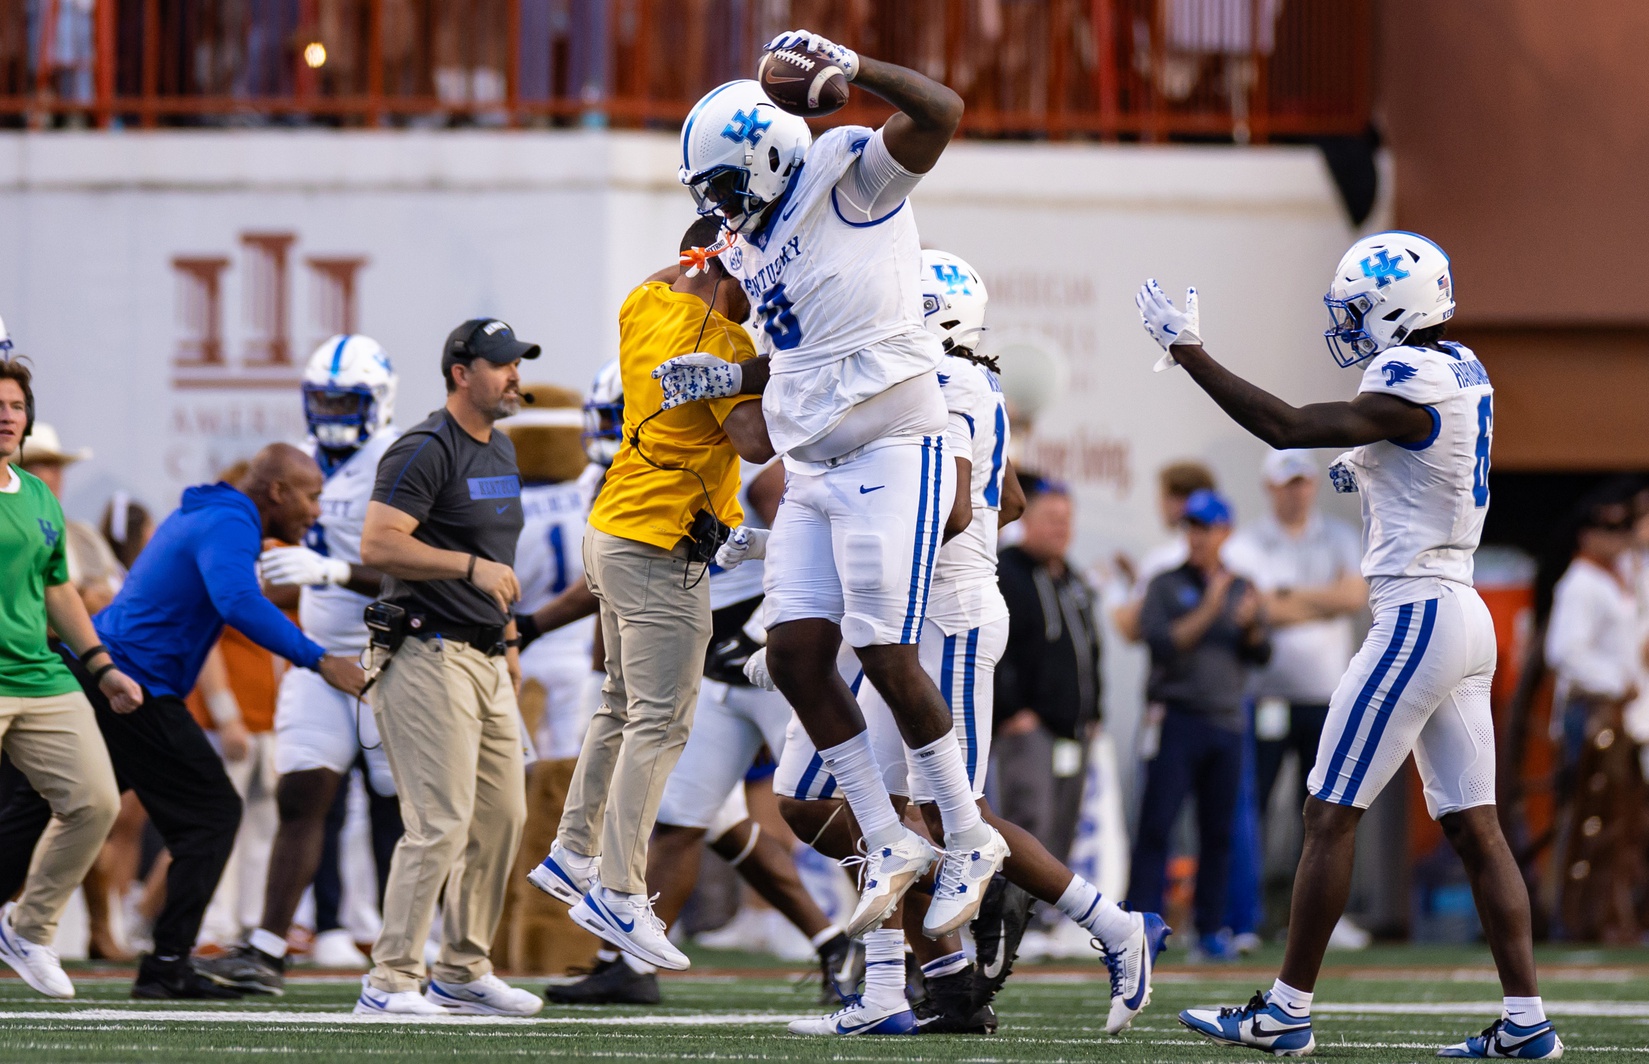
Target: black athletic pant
(1305,731)
(160,753)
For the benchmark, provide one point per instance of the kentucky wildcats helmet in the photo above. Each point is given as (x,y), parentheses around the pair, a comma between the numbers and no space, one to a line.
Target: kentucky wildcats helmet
(604,415)
(953,300)
(1388,286)
(348,391)
(739,152)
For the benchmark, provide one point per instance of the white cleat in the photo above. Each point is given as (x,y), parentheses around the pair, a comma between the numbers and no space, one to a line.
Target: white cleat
(960,887)
(37,964)
(1130,967)
(375,1002)
(858,1018)
(885,874)
(556,876)
(627,922)
(486,996)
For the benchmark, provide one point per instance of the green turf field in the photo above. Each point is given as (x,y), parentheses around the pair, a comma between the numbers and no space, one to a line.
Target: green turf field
(1598,999)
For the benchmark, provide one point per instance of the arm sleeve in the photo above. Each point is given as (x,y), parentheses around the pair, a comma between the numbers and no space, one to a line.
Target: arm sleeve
(1157,616)
(874,185)
(1017,671)
(411,473)
(228,565)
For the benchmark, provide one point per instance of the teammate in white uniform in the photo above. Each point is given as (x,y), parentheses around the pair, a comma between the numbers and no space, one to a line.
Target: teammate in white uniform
(349,400)
(827,249)
(963,637)
(1421,426)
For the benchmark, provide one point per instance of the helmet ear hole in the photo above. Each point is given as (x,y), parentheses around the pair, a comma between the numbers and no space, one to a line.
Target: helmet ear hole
(773,159)
(1394,315)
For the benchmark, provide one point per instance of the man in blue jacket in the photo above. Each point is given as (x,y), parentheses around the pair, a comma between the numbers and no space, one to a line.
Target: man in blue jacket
(197,574)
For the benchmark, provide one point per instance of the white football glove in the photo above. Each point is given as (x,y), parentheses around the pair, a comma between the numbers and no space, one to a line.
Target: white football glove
(755,670)
(744,544)
(1343,475)
(1167,324)
(700,375)
(301,567)
(844,57)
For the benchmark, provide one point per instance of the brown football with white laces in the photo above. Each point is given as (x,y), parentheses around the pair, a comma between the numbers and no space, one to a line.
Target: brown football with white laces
(802,81)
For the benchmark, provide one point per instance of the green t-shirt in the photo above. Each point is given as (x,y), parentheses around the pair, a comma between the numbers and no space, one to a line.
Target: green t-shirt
(33,557)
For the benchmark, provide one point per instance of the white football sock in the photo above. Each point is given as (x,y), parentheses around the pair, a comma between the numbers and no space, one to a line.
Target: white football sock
(1525,1011)
(1101,916)
(940,766)
(826,935)
(637,965)
(949,964)
(1296,1003)
(884,967)
(267,942)
(605,955)
(853,764)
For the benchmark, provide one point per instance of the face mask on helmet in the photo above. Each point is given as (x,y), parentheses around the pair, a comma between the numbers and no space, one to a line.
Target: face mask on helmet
(603,431)
(725,190)
(1349,341)
(339,418)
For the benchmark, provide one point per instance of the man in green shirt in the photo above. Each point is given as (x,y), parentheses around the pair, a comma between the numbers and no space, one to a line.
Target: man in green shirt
(47,727)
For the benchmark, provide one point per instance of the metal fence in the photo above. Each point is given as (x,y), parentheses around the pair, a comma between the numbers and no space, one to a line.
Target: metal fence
(1108,69)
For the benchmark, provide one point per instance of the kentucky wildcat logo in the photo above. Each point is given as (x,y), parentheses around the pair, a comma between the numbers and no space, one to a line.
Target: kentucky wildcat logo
(1398,372)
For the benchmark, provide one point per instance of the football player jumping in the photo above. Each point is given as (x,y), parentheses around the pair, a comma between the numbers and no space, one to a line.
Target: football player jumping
(1420,429)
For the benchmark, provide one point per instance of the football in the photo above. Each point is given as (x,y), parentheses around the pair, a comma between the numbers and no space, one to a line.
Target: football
(802,81)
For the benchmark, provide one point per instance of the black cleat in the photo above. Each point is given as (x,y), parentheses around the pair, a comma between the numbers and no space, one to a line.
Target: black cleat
(609,983)
(246,968)
(176,980)
(916,987)
(841,965)
(949,1007)
(1003,916)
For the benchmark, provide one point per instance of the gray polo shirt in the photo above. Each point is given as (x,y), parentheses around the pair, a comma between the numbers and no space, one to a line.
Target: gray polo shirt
(1211,678)
(466,496)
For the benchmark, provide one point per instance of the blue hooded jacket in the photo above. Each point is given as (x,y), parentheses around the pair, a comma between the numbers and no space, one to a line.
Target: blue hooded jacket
(197,573)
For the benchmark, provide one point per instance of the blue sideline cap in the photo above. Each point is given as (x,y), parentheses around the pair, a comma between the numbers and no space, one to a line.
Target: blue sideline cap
(1207,508)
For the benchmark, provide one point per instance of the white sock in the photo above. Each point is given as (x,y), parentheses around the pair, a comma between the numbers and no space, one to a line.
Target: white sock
(637,965)
(885,967)
(940,766)
(270,943)
(607,955)
(949,964)
(1296,1003)
(1525,1011)
(1101,916)
(574,860)
(826,935)
(853,763)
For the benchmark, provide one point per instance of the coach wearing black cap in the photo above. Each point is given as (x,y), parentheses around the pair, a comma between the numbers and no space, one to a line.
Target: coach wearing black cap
(442,527)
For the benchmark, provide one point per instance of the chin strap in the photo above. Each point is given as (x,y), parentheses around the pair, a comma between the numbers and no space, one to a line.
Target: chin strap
(697,260)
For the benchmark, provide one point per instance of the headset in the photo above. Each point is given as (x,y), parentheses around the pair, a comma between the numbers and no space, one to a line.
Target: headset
(28,392)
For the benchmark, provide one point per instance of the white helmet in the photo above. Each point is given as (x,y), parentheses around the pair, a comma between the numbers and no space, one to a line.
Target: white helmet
(953,300)
(1387,286)
(604,415)
(739,152)
(348,392)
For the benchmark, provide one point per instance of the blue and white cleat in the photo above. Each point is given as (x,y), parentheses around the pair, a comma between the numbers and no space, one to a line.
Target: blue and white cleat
(375,1002)
(556,877)
(486,996)
(1131,965)
(628,922)
(858,1018)
(959,888)
(885,874)
(1257,1025)
(1506,1040)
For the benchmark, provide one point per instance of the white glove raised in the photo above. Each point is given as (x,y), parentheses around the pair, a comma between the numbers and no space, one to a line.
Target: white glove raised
(700,375)
(744,544)
(1167,324)
(842,56)
(755,670)
(300,567)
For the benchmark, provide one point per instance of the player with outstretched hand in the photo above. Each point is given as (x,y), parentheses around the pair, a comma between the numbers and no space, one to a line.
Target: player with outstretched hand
(1420,429)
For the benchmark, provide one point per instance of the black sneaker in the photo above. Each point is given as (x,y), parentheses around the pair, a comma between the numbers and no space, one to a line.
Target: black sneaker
(176,979)
(1003,916)
(949,1007)
(609,983)
(246,968)
(841,965)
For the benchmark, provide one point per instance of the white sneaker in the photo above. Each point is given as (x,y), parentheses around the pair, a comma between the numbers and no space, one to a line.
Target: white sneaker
(859,1018)
(627,921)
(960,886)
(37,964)
(375,1002)
(557,876)
(1130,965)
(885,874)
(1348,936)
(336,949)
(486,996)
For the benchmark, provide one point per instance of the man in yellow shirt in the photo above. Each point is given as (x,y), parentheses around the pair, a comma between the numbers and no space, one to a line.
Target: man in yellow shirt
(645,558)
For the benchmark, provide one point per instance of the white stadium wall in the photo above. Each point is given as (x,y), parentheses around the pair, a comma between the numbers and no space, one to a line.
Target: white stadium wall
(113,243)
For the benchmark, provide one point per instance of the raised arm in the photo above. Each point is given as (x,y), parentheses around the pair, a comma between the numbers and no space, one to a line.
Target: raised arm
(928,113)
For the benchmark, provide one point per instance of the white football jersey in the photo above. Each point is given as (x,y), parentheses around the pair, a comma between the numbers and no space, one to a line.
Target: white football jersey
(1424,503)
(331,615)
(549,558)
(826,290)
(965,594)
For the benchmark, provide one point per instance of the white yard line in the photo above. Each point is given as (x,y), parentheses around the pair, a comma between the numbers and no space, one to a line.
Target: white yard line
(334,1019)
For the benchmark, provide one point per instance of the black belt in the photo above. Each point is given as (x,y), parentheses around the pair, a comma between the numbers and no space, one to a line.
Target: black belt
(487,638)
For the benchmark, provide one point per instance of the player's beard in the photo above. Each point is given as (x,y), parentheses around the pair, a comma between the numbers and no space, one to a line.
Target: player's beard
(509,404)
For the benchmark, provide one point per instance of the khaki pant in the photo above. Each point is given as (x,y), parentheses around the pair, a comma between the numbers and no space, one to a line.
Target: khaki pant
(55,742)
(536,935)
(655,627)
(447,716)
